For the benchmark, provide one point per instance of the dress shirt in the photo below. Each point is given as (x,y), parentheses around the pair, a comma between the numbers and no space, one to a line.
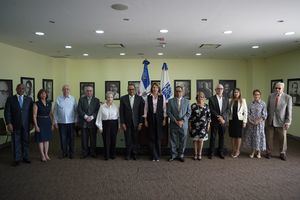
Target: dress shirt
(131,100)
(65,110)
(220,101)
(154,101)
(179,103)
(107,112)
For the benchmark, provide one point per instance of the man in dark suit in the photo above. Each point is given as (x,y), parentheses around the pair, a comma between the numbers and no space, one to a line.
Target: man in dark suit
(18,117)
(131,118)
(179,112)
(219,108)
(87,109)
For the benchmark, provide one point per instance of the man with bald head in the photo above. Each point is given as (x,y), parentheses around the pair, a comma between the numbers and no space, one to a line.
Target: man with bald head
(219,108)
(65,118)
(279,119)
(18,118)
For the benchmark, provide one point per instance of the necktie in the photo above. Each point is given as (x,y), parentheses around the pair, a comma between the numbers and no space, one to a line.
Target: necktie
(131,101)
(20,101)
(89,100)
(178,102)
(276,100)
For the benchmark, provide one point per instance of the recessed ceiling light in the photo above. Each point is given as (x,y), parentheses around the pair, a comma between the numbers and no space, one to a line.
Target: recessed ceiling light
(122,54)
(85,54)
(119,6)
(126,19)
(39,33)
(227,32)
(289,33)
(198,54)
(204,19)
(163,31)
(52,21)
(255,47)
(280,21)
(99,31)
(68,47)
(160,54)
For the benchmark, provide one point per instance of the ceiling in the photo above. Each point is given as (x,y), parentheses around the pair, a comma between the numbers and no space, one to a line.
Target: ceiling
(73,22)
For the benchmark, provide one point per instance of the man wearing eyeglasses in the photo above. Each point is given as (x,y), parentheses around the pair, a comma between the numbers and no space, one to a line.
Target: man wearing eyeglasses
(179,111)
(219,108)
(279,119)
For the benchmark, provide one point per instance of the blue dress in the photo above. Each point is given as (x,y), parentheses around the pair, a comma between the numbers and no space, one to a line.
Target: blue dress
(44,122)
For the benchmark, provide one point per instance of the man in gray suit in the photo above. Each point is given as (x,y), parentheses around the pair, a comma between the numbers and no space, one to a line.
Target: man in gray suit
(279,119)
(131,118)
(87,109)
(179,112)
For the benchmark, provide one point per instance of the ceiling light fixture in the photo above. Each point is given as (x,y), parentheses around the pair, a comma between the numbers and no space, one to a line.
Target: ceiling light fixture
(227,32)
(99,31)
(255,47)
(280,21)
(119,6)
(68,47)
(289,33)
(198,54)
(85,54)
(39,33)
(163,31)
(160,54)
(122,54)
(204,19)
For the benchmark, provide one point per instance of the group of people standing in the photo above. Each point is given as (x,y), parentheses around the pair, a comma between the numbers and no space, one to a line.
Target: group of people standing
(153,112)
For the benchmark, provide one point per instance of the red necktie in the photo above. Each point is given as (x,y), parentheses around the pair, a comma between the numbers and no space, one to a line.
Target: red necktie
(276,100)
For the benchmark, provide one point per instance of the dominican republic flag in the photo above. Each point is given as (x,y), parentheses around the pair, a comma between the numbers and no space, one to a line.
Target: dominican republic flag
(165,83)
(145,85)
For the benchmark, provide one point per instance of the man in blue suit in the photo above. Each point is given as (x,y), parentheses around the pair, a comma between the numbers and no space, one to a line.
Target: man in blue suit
(179,112)
(18,117)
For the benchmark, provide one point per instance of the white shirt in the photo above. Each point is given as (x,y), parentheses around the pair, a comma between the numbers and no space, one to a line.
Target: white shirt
(65,110)
(107,112)
(131,100)
(220,101)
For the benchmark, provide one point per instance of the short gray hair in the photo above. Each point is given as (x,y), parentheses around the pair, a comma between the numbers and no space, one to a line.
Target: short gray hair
(280,83)
(109,93)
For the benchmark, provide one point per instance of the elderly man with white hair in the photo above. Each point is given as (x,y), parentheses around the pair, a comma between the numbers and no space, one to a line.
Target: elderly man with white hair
(279,119)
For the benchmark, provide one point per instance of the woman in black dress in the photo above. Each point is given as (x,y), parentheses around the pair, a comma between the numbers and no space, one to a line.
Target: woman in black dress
(42,118)
(237,121)
(199,124)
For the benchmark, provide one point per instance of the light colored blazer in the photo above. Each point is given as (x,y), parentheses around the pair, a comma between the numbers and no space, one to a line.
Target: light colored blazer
(242,110)
(183,114)
(282,114)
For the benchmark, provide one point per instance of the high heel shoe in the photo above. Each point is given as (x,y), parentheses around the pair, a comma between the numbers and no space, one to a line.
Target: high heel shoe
(251,155)
(236,155)
(199,157)
(195,157)
(258,156)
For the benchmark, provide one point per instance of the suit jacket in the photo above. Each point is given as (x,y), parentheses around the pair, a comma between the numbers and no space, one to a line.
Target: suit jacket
(175,114)
(84,108)
(159,110)
(17,116)
(242,111)
(215,109)
(130,116)
(282,113)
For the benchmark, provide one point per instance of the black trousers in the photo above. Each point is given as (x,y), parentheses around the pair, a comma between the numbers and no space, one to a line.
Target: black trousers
(220,130)
(131,141)
(109,135)
(20,144)
(88,135)
(155,131)
(66,133)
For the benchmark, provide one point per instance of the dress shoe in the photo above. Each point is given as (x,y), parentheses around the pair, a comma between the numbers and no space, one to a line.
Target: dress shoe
(181,159)
(268,156)
(221,155)
(127,158)
(43,160)
(134,157)
(71,156)
(195,157)
(83,157)
(171,159)
(26,161)
(283,156)
(209,156)
(258,156)
(94,155)
(113,157)
(15,163)
(251,155)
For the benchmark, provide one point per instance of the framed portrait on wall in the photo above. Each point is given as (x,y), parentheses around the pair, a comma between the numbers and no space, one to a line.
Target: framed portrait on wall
(293,89)
(273,83)
(29,87)
(205,86)
(83,85)
(48,86)
(136,85)
(115,87)
(186,85)
(6,90)
(229,86)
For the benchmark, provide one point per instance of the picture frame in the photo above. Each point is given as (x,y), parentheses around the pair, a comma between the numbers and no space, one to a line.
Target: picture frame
(6,90)
(229,86)
(29,87)
(186,85)
(136,84)
(115,87)
(82,86)
(48,86)
(273,83)
(293,89)
(205,86)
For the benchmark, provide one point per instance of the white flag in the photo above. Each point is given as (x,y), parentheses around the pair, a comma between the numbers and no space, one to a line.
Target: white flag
(165,83)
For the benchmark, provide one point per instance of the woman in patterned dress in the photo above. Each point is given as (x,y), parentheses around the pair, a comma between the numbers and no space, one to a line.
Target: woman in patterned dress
(255,134)
(199,124)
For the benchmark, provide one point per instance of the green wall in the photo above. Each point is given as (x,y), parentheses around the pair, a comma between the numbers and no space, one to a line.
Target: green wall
(250,74)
